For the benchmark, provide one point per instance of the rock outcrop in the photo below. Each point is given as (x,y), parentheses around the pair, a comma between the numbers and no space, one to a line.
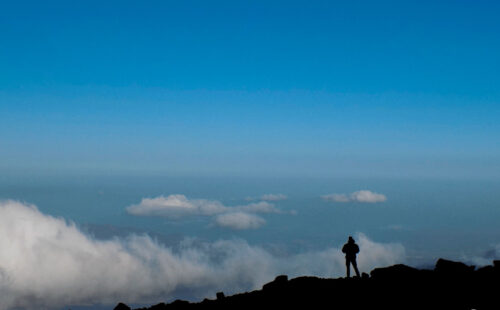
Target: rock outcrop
(451,285)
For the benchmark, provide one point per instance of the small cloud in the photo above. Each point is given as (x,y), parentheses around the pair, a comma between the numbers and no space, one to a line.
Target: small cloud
(258,207)
(268,197)
(239,221)
(178,206)
(273,197)
(364,196)
(336,198)
(175,206)
(367,196)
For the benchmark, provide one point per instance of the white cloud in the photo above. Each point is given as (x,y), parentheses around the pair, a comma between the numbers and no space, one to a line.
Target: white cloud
(269,197)
(367,196)
(239,220)
(47,262)
(177,206)
(336,197)
(331,262)
(258,207)
(487,259)
(358,196)
(273,197)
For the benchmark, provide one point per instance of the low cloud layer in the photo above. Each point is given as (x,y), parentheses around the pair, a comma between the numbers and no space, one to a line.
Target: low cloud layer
(358,196)
(177,206)
(484,260)
(47,262)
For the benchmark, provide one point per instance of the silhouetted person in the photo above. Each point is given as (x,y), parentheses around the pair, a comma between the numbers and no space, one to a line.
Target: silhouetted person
(351,249)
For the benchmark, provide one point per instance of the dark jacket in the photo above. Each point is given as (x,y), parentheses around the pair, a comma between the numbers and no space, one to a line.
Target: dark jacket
(350,250)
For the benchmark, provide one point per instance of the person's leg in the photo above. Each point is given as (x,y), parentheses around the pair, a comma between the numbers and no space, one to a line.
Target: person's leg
(355,266)
(348,267)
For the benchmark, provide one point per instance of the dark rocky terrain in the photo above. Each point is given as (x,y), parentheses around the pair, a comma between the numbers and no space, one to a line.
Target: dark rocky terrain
(450,285)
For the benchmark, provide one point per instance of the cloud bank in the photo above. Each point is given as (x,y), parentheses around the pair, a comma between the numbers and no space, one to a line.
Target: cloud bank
(484,260)
(177,206)
(47,262)
(358,196)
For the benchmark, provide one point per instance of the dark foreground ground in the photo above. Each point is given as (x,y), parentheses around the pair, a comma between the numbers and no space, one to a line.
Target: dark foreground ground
(451,285)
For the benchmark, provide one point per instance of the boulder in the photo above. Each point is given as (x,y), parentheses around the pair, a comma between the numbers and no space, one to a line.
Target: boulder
(122,306)
(399,271)
(220,295)
(445,266)
(179,304)
(278,283)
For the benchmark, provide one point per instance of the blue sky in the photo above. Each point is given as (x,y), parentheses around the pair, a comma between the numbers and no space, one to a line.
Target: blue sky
(262,132)
(239,88)
(424,47)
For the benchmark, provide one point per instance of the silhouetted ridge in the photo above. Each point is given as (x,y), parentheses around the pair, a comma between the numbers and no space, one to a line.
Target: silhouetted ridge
(451,285)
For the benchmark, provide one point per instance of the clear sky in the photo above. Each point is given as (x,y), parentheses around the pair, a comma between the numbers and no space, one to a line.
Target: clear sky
(386,88)
(181,148)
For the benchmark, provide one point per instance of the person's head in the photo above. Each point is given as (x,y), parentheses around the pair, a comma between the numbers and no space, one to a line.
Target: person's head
(351,240)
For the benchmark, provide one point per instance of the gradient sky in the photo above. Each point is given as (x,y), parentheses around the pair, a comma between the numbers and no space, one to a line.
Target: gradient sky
(255,88)
(274,128)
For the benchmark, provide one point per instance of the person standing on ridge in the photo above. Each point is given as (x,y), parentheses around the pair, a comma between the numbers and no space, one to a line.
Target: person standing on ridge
(351,249)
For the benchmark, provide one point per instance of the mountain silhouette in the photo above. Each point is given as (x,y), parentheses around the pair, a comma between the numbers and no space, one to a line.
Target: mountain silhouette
(450,285)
